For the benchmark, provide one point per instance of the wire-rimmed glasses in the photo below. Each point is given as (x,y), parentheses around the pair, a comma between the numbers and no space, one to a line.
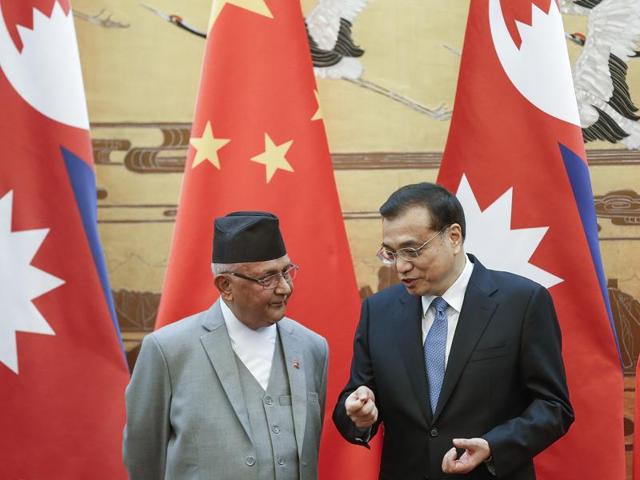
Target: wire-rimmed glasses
(269,282)
(390,257)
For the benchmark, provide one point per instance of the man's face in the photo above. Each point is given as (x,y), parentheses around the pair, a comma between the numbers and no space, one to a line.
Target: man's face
(438,265)
(252,304)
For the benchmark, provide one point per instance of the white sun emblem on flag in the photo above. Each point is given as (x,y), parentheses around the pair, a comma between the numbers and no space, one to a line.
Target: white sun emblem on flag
(489,236)
(20,283)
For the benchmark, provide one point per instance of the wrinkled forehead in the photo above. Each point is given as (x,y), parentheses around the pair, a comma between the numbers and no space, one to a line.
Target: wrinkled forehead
(265,267)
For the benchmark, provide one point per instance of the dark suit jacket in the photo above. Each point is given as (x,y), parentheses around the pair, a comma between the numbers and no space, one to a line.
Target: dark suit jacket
(504,382)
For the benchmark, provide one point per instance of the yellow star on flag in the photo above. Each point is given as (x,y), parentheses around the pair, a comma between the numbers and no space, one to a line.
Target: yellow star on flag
(273,157)
(318,114)
(255,6)
(207,147)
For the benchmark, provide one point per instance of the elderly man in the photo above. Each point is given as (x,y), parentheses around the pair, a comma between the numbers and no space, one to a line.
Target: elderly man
(461,364)
(237,391)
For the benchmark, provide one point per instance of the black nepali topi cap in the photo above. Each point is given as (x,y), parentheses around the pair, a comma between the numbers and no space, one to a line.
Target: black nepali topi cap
(247,237)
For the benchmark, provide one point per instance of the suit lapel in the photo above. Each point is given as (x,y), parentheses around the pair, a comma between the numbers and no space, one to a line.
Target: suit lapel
(477,309)
(297,381)
(408,329)
(217,345)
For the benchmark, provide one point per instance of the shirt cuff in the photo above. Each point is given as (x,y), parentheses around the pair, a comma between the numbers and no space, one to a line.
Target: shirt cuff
(363,434)
(490,465)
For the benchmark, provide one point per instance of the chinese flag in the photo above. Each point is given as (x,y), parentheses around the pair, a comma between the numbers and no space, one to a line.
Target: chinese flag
(516,158)
(258,143)
(62,366)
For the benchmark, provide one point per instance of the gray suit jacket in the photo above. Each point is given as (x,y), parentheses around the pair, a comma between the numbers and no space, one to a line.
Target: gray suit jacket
(186,417)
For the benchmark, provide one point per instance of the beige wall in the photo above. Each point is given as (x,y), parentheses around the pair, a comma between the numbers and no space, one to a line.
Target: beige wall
(141,84)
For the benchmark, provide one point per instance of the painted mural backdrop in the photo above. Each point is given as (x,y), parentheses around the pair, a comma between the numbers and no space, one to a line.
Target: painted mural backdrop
(386,73)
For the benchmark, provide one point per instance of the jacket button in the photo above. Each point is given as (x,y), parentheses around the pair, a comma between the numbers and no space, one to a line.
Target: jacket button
(434,432)
(280,461)
(251,461)
(268,400)
(276,429)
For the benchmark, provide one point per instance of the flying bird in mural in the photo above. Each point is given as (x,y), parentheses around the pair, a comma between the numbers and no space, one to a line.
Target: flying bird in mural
(334,53)
(176,20)
(336,56)
(607,111)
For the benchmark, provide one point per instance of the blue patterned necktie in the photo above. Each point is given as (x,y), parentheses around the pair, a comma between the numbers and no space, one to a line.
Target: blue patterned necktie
(434,350)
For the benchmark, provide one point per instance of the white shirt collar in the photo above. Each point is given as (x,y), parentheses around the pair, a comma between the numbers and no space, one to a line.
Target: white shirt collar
(239,331)
(253,347)
(454,295)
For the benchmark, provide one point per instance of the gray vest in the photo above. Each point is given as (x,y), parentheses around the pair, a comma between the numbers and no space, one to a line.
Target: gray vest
(271,419)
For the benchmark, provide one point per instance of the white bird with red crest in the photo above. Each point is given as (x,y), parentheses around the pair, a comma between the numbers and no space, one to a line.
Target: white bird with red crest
(607,111)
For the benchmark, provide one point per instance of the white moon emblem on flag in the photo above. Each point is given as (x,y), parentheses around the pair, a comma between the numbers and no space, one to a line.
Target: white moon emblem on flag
(540,68)
(47,72)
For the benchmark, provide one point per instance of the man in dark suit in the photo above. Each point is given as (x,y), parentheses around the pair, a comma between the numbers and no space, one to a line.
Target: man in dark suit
(461,365)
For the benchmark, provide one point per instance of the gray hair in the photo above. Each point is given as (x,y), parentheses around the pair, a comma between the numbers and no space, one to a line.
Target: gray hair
(219,268)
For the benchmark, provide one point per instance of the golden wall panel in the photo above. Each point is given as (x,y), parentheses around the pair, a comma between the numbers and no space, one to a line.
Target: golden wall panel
(141,76)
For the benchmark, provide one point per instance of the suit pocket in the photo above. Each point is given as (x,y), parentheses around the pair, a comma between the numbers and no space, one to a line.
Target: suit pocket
(488,353)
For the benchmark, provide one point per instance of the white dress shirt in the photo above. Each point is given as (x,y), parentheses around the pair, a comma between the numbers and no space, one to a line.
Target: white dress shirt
(454,296)
(254,348)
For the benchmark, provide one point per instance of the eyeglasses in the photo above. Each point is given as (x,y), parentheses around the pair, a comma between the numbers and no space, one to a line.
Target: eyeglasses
(269,282)
(390,257)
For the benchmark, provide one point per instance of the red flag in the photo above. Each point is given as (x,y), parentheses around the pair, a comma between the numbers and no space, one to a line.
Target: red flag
(62,366)
(258,143)
(516,159)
